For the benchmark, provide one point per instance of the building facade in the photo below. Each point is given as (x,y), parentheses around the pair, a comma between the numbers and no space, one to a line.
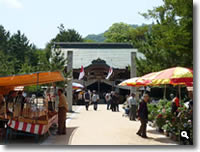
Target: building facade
(97,58)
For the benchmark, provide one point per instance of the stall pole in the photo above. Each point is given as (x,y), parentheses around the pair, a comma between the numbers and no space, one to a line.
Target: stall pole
(165,90)
(179,90)
(37,93)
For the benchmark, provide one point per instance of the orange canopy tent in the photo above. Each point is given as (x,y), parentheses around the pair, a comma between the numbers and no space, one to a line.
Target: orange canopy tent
(9,82)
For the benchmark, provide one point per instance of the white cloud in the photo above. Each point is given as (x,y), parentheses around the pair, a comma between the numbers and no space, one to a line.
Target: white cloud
(12,3)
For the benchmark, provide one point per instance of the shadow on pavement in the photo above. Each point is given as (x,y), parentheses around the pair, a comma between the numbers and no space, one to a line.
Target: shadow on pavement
(165,140)
(52,139)
(154,132)
(55,139)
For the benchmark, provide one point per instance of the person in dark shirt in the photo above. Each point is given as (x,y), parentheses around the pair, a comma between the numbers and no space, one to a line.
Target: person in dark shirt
(87,99)
(114,102)
(143,116)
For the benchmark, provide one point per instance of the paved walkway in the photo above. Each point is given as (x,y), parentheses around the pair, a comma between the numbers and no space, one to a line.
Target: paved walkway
(104,127)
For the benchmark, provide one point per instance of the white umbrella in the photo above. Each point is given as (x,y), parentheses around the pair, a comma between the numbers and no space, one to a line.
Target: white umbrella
(77,85)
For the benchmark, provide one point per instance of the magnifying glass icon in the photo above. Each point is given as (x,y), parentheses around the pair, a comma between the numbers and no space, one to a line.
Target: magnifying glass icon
(184,134)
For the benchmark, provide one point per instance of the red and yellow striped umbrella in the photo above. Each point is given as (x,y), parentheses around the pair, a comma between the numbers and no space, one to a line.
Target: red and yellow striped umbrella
(136,81)
(174,76)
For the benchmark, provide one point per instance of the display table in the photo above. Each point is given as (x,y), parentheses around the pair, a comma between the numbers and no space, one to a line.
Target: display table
(33,128)
(29,129)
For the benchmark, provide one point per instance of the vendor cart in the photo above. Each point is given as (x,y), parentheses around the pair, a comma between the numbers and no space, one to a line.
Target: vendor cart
(35,118)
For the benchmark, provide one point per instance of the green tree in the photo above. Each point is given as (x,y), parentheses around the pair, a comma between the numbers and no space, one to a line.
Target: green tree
(119,32)
(56,57)
(168,41)
(26,67)
(4,38)
(57,61)
(20,48)
(43,62)
(6,65)
(69,35)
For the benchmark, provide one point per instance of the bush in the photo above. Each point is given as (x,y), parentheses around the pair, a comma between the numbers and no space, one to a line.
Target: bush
(161,114)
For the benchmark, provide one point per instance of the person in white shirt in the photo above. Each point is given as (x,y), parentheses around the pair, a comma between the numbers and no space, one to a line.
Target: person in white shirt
(95,99)
(133,105)
(108,100)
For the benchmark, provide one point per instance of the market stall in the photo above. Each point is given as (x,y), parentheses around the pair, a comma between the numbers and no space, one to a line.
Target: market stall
(31,114)
(161,114)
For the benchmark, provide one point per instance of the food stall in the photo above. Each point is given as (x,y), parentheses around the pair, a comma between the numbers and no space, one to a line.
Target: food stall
(30,115)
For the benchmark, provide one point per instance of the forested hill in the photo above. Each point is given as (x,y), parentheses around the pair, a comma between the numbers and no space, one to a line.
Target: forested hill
(100,37)
(96,37)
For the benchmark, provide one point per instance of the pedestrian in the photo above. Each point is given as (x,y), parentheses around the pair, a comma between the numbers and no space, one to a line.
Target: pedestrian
(62,110)
(143,116)
(95,99)
(111,100)
(117,102)
(108,100)
(114,102)
(87,99)
(190,94)
(175,105)
(19,104)
(133,105)
(126,106)
(80,98)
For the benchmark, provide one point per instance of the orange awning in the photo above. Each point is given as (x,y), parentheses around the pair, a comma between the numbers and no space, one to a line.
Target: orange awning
(30,79)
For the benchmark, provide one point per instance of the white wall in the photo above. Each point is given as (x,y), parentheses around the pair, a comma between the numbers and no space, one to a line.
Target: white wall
(117,58)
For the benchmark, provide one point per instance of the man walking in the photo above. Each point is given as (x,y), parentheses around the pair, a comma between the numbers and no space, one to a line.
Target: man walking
(95,99)
(143,116)
(62,110)
(87,99)
(114,101)
(108,100)
(117,102)
(132,104)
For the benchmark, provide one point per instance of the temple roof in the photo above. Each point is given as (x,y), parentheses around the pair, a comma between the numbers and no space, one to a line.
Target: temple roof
(86,45)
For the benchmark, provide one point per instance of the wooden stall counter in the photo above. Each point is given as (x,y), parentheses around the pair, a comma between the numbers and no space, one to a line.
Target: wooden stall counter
(39,127)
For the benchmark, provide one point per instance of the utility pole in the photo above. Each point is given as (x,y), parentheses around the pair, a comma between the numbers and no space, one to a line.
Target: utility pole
(69,82)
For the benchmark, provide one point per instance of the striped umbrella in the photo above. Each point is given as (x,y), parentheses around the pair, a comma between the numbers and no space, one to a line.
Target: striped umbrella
(77,85)
(136,81)
(174,76)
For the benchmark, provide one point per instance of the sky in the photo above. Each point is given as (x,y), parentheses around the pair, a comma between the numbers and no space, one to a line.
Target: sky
(39,19)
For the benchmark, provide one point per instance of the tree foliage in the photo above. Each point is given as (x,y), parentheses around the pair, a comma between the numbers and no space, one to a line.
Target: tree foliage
(122,32)
(119,32)
(57,58)
(19,56)
(168,42)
